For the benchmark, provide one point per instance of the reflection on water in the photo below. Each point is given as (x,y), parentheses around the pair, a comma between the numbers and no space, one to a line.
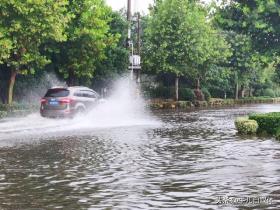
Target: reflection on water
(187,161)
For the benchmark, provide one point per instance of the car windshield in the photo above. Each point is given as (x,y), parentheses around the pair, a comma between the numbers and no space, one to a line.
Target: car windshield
(58,92)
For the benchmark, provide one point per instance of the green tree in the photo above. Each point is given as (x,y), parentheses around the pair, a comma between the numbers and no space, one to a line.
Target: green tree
(88,36)
(116,61)
(219,81)
(6,45)
(180,40)
(250,28)
(24,26)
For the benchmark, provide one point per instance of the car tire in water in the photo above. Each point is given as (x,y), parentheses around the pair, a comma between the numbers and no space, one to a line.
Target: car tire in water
(80,111)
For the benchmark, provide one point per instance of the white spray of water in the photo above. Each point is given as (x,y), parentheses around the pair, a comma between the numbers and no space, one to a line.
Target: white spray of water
(124,108)
(34,94)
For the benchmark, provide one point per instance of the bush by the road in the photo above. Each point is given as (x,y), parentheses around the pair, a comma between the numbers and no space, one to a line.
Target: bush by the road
(268,92)
(277,135)
(246,126)
(17,109)
(186,94)
(206,93)
(3,114)
(16,106)
(184,104)
(268,123)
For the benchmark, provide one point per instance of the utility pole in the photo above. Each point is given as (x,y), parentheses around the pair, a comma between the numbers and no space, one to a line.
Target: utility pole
(138,47)
(129,40)
(129,20)
(134,59)
(138,34)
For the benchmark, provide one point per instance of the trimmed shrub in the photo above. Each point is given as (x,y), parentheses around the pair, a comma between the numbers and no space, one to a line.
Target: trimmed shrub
(268,122)
(269,92)
(186,94)
(216,102)
(4,107)
(158,92)
(277,134)
(156,105)
(246,126)
(200,104)
(3,114)
(16,106)
(206,94)
(230,102)
(276,92)
(184,104)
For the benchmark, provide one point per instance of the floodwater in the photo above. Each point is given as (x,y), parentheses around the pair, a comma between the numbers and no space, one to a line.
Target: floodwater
(165,159)
(181,160)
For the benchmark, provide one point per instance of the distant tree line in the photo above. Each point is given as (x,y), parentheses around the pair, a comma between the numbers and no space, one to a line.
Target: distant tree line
(226,50)
(231,49)
(78,40)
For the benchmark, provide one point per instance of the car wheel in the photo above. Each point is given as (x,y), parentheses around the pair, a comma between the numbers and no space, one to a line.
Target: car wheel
(80,111)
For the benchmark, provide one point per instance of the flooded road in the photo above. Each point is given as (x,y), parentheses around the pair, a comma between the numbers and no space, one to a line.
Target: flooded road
(174,160)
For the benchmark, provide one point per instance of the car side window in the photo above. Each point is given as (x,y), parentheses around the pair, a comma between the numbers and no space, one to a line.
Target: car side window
(78,94)
(86,94)
(91,94)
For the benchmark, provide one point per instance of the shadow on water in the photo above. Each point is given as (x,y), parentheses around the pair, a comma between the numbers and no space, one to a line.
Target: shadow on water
(183,160)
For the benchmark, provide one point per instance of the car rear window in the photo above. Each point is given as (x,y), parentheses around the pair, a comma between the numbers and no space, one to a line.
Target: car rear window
(57,93)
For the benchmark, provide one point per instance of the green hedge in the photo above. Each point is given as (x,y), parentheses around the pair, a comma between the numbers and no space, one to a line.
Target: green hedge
(268,123)
(269,92)
(17,109)
(184,104)
(3,114)
(206,94)
(246,126)
(185,94)
(15,106)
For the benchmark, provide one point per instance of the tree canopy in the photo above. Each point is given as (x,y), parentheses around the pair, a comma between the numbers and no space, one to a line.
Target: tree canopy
(181,40)
(230,48)
(88,36)
(24,26)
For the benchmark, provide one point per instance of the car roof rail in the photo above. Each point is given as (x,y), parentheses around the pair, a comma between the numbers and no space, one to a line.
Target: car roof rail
(56,87)
(79,87)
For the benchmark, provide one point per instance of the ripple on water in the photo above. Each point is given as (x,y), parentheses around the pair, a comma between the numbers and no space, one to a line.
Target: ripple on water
(186,162)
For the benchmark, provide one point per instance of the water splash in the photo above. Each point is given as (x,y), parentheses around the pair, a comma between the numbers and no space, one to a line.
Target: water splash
(124,108)
(36,91)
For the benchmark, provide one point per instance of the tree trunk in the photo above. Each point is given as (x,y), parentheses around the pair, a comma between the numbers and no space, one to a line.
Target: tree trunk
(1,97)
(71,77)
(236,87)
(198,84)
(236,90)
(251,92)
(199,96)
(242,91)
(177,88)
(11,86)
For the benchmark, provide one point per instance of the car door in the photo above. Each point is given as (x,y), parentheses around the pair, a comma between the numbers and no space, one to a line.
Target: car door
(90,98)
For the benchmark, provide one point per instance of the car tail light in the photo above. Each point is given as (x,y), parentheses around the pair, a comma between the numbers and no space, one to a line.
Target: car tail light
(66,101)
(43,101)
